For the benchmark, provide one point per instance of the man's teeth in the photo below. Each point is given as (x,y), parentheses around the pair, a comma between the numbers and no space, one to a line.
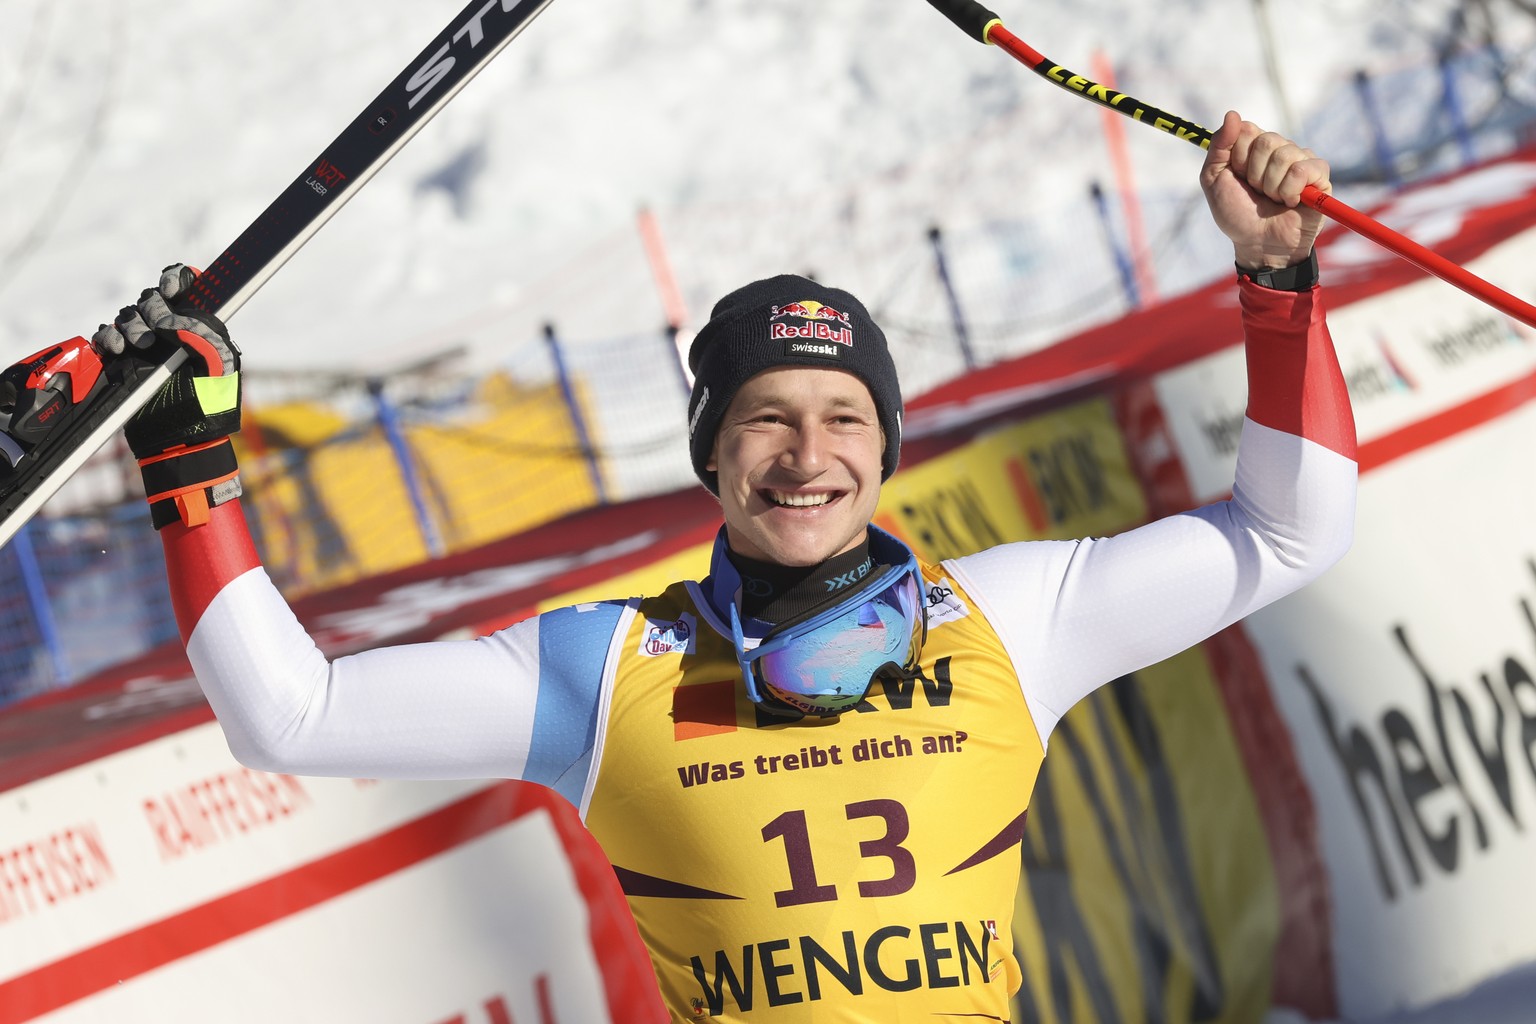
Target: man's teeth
(798,500)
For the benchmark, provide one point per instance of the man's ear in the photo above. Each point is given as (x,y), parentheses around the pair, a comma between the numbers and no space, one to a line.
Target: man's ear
(713,465)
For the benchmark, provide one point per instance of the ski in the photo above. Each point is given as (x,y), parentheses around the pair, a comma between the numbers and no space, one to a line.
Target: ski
(35,461)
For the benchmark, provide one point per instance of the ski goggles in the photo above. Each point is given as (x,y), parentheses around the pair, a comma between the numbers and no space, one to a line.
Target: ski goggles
(825,664)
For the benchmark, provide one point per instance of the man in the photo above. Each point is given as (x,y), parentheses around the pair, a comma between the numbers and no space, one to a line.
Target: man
(789,856)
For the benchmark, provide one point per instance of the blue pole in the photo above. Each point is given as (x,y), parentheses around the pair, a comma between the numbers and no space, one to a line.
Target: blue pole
(1453,107)
(1383,148)
(390,422)
(1122,258)
(594,471)
(956,314)
(37,595)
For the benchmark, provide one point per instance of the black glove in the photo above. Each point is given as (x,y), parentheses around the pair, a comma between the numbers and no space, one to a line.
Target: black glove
(181,435)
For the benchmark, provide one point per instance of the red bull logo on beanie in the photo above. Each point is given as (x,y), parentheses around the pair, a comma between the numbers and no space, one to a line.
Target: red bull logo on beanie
(809,310)
(822,324)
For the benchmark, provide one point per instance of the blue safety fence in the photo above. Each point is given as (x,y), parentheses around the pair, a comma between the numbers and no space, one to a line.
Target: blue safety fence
(354,478)
(104,598)
(1415,122)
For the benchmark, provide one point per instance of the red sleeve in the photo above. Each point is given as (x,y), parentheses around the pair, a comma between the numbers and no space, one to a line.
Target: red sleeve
(201,560)
(1294,381)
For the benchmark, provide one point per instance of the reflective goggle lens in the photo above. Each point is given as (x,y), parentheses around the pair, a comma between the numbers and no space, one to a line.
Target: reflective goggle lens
(825,665)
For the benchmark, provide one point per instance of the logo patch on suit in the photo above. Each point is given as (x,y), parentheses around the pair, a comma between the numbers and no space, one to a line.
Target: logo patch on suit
(944,605)
(672,637)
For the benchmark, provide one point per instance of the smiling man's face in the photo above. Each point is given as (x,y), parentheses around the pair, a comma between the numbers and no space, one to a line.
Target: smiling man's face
(798,456)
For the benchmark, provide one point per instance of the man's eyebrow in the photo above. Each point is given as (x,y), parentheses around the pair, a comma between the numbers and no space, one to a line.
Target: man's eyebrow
(762,400)
(841,401)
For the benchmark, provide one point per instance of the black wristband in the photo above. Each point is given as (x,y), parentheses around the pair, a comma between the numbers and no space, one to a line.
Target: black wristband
(183,486)
(1299,277)
(179,472)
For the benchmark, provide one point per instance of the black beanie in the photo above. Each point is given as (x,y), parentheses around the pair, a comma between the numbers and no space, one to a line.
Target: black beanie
(786,321)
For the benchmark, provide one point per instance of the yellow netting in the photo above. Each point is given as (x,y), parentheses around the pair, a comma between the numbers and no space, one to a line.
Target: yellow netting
(507,461)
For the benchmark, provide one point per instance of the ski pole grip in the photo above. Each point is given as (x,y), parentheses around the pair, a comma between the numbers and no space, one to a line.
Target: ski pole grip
(973,19)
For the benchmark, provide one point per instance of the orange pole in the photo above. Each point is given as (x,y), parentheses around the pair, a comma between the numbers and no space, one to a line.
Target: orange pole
(1125,182)
(661,269)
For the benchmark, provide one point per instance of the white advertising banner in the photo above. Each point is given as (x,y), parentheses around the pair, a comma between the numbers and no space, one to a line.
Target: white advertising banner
(169,883)
(489,933)
(1407,675)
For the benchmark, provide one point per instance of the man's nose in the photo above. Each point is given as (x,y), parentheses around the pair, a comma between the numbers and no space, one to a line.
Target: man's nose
(807,450)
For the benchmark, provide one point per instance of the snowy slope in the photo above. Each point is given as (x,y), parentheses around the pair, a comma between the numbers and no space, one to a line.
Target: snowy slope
(136,133)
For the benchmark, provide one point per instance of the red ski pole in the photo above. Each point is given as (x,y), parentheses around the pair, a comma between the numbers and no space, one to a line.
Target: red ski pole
(978,22)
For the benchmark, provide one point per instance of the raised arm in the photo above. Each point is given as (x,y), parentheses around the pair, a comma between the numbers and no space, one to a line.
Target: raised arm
(506,706)
(1077,614)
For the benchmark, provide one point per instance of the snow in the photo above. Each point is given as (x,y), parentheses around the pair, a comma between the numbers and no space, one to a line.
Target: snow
(796,135)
